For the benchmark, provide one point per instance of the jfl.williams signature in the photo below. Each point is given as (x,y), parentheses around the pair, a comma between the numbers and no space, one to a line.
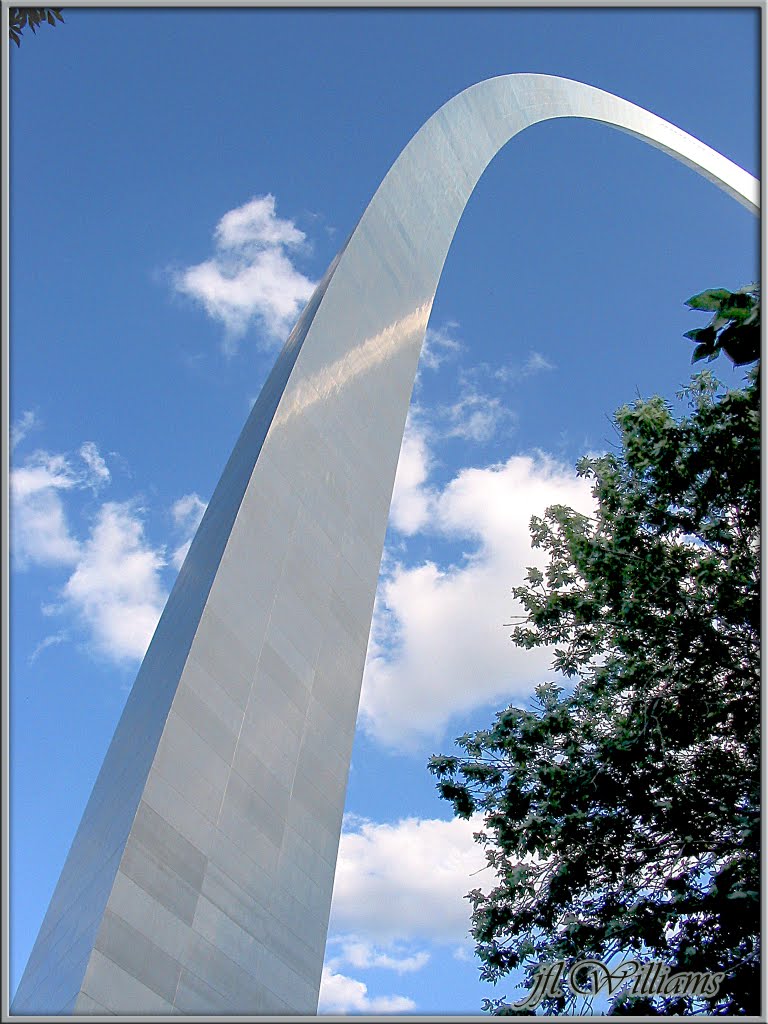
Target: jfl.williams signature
(652,978)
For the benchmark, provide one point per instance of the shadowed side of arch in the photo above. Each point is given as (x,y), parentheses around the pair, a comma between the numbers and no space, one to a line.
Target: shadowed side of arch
(200,878)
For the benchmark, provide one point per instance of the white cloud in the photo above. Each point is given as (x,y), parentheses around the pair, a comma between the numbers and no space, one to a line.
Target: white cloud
(438,645)
(340,994)
(42,472)
(187,513)
(256,224)
(39,530)
(405,882)
(251,277)
(27,422)
(411,500)
(399,888)
(116,588)
(40,533)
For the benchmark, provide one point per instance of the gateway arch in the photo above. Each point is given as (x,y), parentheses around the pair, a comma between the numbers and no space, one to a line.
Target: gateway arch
(199,880)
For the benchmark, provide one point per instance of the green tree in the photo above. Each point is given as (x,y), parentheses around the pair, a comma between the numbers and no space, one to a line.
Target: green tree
(21,17)
(621,813)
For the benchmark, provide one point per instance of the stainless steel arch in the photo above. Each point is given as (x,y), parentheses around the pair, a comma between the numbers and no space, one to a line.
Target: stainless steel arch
(200,878)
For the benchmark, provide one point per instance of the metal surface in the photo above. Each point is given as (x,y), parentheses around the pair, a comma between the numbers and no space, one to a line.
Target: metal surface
(200,878)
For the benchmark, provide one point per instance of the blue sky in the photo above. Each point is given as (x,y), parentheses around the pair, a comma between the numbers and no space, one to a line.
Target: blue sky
(140,337)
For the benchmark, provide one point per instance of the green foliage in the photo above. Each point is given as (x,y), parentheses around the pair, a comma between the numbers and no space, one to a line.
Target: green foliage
(20,17)
(621,815)
(734,328)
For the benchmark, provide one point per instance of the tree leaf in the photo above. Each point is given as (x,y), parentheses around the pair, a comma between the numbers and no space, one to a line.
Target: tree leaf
(709,300)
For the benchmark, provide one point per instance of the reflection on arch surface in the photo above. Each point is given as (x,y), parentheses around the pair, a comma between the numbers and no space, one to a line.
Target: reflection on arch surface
(200,878)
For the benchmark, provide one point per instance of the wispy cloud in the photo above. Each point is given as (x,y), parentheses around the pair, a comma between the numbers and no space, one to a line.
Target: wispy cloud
(50,641)
(535,363)
(364,955)
(480,413)
(97,468)
(475,417)
(440,345)
(187,513)
(26,423)
(251,278)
